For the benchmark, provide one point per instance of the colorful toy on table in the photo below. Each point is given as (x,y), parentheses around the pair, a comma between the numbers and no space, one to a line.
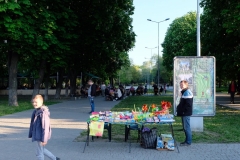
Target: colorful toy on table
(155,118)
(165,108)
(94,117)
(144,108)
(150,119)
(154,107)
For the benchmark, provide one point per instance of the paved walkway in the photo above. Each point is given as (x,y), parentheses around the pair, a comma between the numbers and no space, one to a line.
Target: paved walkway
(69,119)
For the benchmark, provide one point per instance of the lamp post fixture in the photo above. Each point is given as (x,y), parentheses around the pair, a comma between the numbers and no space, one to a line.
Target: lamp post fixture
(158,41)
(150,58)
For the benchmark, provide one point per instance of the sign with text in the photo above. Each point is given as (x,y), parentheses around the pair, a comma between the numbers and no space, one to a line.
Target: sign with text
(200,74)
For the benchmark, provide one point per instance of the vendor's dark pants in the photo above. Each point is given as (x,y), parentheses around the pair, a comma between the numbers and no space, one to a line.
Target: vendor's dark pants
(232,94)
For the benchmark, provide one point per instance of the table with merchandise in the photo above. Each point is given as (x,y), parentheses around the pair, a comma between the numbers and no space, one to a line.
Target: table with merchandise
(147,115)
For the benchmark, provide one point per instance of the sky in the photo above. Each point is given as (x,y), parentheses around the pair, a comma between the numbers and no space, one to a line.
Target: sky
(147,32)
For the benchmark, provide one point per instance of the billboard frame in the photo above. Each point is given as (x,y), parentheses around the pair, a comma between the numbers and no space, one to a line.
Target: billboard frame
(213,88)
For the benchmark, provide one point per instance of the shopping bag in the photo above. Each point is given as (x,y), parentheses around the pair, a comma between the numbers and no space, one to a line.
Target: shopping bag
(96,128)
(149,138)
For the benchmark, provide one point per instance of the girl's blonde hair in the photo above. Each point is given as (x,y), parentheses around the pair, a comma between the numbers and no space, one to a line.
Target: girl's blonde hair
(39,97)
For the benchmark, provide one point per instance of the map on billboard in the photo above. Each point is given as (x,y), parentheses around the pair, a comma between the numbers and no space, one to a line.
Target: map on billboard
(200,74)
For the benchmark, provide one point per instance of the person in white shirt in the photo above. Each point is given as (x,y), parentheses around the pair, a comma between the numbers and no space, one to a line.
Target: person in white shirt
(103,87)
(118,94)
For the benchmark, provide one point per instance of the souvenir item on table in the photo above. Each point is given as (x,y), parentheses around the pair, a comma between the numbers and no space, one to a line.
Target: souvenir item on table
(102,113)
(102,116)
(155,118)
(165,108)
(96,128)
(115,115)
(150,119)
(117,119)
(140,117)
(135,115)
(131,121)
(107,119)
(154,108)
(95,113)
(108,113)
(94,117)
(144,108)
(166,118)
(146,115)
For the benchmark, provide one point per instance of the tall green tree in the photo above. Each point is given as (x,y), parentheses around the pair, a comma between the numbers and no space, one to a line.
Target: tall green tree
(180,39)
(12,33)
(220,36)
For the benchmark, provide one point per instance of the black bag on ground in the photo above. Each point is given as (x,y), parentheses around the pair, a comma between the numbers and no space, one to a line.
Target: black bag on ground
(149,138)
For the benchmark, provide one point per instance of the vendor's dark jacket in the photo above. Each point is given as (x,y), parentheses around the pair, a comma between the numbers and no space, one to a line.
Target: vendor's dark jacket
(93,89)
(185,106)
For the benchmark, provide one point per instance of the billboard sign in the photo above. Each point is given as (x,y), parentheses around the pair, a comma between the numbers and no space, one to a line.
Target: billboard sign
(200,74)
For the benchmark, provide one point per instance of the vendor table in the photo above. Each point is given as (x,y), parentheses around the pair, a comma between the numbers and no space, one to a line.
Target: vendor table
(167,122)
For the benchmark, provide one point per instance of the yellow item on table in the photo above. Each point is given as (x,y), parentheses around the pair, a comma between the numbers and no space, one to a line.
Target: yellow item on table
(96,128)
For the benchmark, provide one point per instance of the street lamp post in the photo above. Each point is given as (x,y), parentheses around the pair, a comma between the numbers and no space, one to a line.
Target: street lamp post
(151,58)
(158,41)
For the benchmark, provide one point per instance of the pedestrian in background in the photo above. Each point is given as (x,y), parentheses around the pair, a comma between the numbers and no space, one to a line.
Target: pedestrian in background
(40,129)
(184,109)
(103,87)
(161,90)
(232,89)
(91,94)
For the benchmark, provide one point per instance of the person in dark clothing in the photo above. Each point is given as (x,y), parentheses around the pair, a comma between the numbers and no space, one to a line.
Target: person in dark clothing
(91,94)
(184,109)
(132,90)
(155,89)
(145,89)
(161,90)
(232,90)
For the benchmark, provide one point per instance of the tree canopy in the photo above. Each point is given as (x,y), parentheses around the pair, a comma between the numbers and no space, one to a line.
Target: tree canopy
(219,37)
(69,36)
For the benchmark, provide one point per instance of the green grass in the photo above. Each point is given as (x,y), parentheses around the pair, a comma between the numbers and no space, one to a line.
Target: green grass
(222,128)
(23,102)
(222,89)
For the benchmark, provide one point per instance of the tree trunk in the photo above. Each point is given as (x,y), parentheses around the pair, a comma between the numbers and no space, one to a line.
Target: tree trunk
(219,81)
(38,81)
(73,77)
(238,83)
(46,83)
(46,88)
(66,88)
(59,84)
(111,81)
(12,92)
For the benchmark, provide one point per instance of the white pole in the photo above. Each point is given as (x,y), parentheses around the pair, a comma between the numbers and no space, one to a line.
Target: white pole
(198,30)
(158,56)
(196,123)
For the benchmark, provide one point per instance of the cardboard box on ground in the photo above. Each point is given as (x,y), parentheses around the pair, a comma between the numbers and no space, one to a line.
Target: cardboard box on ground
(165,142)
